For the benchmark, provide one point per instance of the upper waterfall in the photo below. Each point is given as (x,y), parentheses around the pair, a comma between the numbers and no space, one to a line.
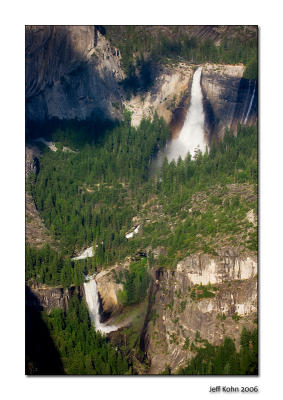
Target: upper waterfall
(92,299)
(192,135)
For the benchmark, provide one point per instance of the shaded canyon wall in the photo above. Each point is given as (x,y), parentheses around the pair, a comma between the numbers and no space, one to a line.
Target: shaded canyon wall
(71,72)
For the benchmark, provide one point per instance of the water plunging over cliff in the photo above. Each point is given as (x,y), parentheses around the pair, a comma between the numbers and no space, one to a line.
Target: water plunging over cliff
(251,103)
(92,299)
(192,136)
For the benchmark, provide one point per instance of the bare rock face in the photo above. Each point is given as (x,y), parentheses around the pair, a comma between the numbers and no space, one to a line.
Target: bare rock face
(48,298)
(71,72)
(31,159)
(108,289)
(229,99)
(204,269)
(36,232)
(169,92)
(179,312)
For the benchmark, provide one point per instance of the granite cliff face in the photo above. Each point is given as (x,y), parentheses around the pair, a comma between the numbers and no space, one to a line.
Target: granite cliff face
(71,72)
(229,99)
(36,233)
(168,97)
(180,313)
(108,290)
(48,298)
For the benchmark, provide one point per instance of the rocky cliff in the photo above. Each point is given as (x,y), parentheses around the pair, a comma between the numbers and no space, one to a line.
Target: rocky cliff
(108,289)
(229,99)
(36,233)
(168,97)
(48,298)
(71,72)
(74,72)
(205,298)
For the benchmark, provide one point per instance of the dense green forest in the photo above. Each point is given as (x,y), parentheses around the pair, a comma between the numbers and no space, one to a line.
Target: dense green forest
(90,197)
(83,351)
(47,266)
(224,359)
(142,50)
(135,283)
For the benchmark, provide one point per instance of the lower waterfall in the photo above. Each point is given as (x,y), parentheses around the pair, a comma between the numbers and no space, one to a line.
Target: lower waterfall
(92,299)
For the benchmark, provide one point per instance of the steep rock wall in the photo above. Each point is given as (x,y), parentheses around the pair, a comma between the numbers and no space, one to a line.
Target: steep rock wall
(108,290)
(71,72)
(36,233)
(229,99)
(169,96)
(175,316)
(48,298)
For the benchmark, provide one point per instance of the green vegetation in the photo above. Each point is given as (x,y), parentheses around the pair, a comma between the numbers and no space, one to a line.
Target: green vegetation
(186,344)
(83,351)
(202,292)
(221,317)
(236,317)
(224,359)
(90,197)
(142,50)
(135,282)
(49,267)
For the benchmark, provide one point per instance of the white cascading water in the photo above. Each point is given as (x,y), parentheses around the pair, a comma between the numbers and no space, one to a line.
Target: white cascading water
(92,299)
(192,135)
(85,254)
(250,105)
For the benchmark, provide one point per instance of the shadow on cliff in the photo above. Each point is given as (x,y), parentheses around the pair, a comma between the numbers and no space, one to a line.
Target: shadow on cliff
(74,133)
(42,358)
(63,81)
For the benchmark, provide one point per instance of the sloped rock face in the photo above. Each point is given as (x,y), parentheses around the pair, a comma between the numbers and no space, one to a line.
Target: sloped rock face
(31,159)
(48,298)
(71,72)
(204,269)
(36,233)
(169,95)
(229,99)
(108,290)
(176,315)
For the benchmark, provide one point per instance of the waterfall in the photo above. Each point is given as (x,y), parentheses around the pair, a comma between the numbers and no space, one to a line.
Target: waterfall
(250,105)
(92,299)
(191,137)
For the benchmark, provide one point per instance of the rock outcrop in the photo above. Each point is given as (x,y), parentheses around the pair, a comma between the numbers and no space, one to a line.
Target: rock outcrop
(71,72)
(229,99)
(168,97)
(48,298)
(36,232)
(108,290)
(182,308)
